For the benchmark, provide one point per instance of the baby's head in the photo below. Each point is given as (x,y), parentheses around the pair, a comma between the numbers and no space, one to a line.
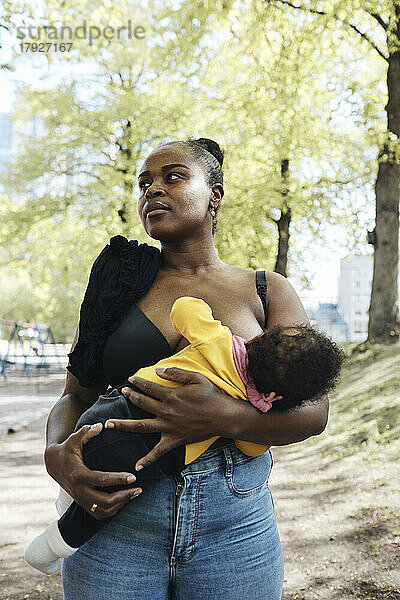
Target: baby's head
(296,362)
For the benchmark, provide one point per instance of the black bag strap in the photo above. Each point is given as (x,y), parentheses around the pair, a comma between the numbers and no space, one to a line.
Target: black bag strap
(261,284)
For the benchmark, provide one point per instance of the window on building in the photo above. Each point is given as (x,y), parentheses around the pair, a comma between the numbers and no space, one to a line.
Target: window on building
(359,327)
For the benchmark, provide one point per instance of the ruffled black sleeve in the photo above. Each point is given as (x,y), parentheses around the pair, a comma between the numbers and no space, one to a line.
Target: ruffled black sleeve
(122,273)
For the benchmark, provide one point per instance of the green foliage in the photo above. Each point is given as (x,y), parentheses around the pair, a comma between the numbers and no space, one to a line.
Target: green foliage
(47,281)
(269,84)
(19,300)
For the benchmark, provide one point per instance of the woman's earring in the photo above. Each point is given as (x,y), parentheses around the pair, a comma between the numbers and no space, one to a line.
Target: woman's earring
(212,212)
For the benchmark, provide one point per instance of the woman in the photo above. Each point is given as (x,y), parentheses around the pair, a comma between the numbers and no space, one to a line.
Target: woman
(210,533)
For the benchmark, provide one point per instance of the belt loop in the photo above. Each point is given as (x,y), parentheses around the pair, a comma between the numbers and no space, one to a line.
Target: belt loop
(228,461)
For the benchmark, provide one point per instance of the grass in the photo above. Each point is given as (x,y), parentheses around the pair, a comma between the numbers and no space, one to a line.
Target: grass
(365,407)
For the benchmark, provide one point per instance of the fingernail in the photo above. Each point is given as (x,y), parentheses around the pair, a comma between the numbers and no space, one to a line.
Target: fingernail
(130,479)
(109,425)
(139,467)
(125,390)
(136,494)
(95,425)
(159,369)
(132,379)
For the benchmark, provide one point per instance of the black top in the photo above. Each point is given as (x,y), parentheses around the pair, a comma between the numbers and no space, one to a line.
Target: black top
(115,337)
(123,272)
(136,343)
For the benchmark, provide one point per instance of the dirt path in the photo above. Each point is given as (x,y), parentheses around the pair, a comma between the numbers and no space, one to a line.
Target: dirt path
(26,506)
(339,522)
(338,519)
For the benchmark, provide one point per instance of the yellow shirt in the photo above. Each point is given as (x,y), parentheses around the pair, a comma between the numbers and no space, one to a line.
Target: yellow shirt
(209,353)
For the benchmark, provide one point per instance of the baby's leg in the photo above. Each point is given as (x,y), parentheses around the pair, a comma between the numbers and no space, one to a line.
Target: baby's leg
(114,450)
(61,538)
(110,450)
(63,501)
(46,550)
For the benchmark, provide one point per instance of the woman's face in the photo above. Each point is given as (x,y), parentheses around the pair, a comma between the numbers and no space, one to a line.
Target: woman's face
(174,195)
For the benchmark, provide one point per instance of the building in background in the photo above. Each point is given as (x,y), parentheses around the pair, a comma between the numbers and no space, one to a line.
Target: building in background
(327,317)
(354,294)
(346,318)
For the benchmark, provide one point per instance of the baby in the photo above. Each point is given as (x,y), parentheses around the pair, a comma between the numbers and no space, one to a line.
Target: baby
(280,368)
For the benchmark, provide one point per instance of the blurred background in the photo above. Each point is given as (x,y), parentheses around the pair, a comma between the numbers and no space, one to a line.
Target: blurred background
(296,99)
(304,98)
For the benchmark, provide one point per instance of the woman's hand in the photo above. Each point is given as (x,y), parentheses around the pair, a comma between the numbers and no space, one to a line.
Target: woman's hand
(198,410)
(64,462)
(185,414)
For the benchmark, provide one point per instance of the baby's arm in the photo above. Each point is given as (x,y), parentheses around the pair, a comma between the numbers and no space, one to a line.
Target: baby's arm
(193,318)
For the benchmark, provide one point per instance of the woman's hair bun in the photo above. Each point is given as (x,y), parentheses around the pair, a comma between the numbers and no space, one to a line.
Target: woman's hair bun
(212,147)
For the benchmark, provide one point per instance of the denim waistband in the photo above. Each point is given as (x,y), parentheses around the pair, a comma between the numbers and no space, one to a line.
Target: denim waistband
(216,458)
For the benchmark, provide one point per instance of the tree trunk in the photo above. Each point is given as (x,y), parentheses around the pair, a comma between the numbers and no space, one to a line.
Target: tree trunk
(383,324)
(283,244)
(124,212)
(283,224)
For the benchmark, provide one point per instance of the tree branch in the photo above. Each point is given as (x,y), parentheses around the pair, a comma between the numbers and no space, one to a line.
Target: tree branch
(324,13)
(379,19)
(328,181)
(288,3)
(367,39)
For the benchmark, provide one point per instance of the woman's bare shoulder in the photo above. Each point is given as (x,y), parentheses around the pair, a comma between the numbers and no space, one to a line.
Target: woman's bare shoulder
(241,279)
(246,275)
(284,304)
(275,281)
(242,272)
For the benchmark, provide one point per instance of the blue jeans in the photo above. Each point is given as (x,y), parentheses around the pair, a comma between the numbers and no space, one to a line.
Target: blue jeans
(209,534)
(114,450)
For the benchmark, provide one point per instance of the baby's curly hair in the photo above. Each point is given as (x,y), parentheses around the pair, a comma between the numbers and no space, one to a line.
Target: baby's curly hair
(297,362)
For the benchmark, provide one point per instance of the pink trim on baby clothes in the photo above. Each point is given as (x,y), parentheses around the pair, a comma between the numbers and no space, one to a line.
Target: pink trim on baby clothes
(261,401)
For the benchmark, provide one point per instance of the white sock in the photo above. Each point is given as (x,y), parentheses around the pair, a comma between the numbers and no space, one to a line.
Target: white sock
(46,550)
